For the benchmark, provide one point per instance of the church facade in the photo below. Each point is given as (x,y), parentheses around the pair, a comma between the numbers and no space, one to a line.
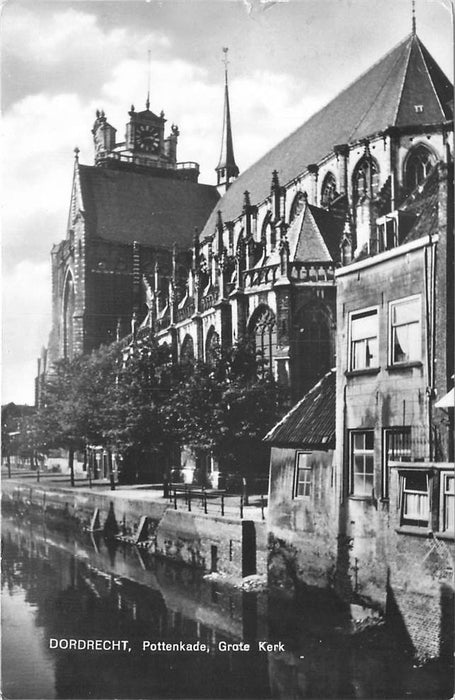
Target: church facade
(262,263)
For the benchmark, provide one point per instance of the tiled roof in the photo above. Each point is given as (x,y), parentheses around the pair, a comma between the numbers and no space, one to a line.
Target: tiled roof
(126,206)
(384,96)
(314,235)
(311,423)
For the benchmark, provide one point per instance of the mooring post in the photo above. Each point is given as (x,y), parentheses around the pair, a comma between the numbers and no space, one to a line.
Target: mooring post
(262,506)
(205,503)
(222,504)
(175,499)
(189,499)
(241,507)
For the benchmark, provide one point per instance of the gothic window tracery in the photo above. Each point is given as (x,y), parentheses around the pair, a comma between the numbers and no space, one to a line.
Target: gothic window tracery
(366,180)
(68,312)
(262,328)
(328,190)
(418,164)
(268,233)
(212,346)
(297,206)
(187,351)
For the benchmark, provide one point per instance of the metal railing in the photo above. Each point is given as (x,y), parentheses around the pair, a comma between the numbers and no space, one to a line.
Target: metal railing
(189,496)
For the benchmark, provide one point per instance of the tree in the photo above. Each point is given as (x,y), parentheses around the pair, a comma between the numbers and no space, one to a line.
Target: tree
(133,420)
(223,407)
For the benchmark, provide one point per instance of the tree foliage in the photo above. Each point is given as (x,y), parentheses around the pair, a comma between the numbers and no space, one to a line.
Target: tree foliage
(135,399)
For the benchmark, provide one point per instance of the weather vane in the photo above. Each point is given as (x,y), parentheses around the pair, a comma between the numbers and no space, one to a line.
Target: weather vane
(413,13)
(225,57)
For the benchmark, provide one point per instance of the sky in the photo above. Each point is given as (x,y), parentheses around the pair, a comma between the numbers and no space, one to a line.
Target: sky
(61,61)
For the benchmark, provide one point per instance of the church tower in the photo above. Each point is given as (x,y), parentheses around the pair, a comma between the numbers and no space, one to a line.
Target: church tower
(226,170)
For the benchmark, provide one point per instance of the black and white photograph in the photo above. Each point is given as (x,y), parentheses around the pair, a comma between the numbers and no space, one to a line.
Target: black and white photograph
(227,450)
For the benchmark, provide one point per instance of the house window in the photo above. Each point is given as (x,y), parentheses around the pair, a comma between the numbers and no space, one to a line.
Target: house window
(303,476)
(364,340)
(396,448)
(362,462)
(405,338)
(415,504)
(448,503)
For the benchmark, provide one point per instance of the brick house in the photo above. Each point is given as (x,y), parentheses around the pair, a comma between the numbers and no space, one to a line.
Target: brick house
(394,446)
(303,497)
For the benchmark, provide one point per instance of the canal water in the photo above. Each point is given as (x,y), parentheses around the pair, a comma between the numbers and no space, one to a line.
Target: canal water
(59,586)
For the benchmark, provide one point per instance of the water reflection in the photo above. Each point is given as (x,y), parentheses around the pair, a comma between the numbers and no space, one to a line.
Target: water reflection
(65,586)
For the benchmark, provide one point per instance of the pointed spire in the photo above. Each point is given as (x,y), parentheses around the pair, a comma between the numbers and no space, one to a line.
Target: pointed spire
(149,71)
(227,168)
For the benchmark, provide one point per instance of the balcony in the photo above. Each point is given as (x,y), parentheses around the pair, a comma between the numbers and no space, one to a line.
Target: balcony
(187,311)
(261,275)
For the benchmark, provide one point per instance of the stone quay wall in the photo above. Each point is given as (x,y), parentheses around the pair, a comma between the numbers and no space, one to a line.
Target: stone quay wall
(208,542)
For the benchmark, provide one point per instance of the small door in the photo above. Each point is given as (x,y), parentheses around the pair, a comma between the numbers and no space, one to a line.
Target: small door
(248,548)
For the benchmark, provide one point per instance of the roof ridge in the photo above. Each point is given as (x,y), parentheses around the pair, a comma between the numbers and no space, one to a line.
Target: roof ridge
(405,72)
(429,77)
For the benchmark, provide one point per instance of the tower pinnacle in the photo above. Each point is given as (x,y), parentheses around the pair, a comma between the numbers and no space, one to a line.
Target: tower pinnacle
(413,13)
(226,169)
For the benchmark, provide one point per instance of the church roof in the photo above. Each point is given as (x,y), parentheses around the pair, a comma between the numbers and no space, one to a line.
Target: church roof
(384,96)
(310,423)
(125,206)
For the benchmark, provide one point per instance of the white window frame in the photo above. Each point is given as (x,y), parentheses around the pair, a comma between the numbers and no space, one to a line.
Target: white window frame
(406,516)
(353,315)
(366,453)
(308,470)
(447,524)
(392,326)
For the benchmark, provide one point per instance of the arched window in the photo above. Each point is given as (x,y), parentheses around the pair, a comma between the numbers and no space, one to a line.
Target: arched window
(204,274)
(268,233)
(312,346)
(187,351)
(262,329)
(212,346)
(328,190)
(297,206)
(366,180)
(68,312)
(418,164)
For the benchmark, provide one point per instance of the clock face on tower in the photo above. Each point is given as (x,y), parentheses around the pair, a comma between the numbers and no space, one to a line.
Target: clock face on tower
(147,138)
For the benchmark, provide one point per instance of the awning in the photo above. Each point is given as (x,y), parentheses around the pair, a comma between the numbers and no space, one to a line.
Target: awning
(447,401)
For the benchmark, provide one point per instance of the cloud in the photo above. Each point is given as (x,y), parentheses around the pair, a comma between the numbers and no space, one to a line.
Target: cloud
(45,51)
